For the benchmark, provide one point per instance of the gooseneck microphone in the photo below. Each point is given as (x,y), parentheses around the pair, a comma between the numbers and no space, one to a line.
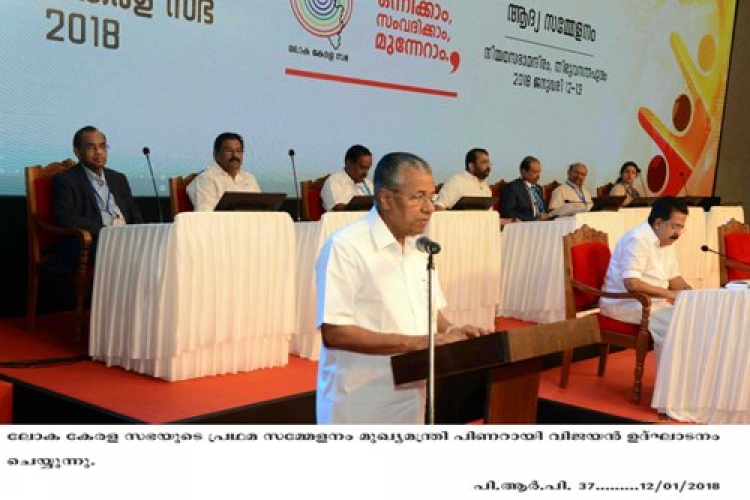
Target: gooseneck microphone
(147,154)
(296,185)
(706,248)
(426,245)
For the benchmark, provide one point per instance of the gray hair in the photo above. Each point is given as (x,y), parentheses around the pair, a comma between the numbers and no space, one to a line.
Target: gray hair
(388,172)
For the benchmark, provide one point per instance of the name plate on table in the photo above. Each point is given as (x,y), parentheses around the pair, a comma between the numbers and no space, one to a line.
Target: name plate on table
(240,201)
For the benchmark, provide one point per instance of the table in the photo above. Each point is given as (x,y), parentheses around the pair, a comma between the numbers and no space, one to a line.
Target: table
(210,294)
(468,267)
(704,371)
(532,264)
(310,237)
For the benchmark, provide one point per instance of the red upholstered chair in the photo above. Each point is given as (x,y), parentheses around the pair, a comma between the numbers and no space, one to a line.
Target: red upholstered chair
(734,242)
(497,189)
(179,200)
(603,190)
(312,203)
(586,257)
(547,191)
(44,237)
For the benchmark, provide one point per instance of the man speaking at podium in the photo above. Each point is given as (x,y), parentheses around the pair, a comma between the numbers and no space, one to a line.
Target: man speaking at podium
(224,174)
(372,287)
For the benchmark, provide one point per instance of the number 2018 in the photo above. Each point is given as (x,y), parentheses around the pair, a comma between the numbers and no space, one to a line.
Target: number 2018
(103,32)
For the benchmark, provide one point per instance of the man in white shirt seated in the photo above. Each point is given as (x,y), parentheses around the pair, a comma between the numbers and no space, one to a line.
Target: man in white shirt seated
(645,261)
(572,196)
(342,186)
(224,174)
(471,182)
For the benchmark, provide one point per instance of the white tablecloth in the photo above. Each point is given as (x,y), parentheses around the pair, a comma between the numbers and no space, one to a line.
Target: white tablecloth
(532,264)
(310,237)
(704,371)
(468,266)
(212,293)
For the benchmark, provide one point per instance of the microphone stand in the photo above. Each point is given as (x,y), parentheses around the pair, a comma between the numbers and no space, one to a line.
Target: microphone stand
(296,187)
(147,154)
(430,345)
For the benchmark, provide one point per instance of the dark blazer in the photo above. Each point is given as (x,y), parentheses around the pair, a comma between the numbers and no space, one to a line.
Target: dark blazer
(515,202)
(74,205)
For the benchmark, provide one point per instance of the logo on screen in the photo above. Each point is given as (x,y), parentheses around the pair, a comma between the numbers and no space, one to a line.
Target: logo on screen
(324,18)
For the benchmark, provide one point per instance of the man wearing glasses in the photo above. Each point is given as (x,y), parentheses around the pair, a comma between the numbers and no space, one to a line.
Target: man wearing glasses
(91,196)
(645,261)
(224,174)
(372,292)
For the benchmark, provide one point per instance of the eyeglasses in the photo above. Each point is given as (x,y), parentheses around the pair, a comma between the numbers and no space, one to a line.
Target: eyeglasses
(419,198)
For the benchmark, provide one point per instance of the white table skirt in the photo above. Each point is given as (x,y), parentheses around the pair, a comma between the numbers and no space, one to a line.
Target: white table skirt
(704,371)
(532,264)
(212,293)
(310,237)
(468,266)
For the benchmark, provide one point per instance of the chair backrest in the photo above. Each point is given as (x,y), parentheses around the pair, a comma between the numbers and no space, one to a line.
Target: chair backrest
(179,200)
(497,190)
(734,241)
(39,203)
(586,257)
(547,191)
(602,191)
(312,203)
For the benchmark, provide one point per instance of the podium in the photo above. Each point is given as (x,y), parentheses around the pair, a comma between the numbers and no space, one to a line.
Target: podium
(511,360)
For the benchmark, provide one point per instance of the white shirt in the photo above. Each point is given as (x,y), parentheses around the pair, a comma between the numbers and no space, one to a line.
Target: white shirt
(460,185)
(568,194)
(340,188)
(365,278)
(638,255)
(207,189)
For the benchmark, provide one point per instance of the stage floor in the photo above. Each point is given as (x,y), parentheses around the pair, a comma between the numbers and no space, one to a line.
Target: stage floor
(47,392)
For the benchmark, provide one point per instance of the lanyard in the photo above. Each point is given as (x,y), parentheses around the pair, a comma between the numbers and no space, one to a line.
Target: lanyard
(579,193)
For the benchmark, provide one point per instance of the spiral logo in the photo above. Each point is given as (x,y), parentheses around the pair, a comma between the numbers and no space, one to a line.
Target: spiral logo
(323,18)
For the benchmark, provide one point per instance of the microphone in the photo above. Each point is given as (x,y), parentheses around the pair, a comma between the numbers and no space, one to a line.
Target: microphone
(684,183)
(426,245)
(147,154)
(643,184)
(296,185)
(705,248)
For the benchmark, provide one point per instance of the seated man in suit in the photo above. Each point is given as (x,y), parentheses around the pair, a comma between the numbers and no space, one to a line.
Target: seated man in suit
(342,186)
(522,199)
(90,196)
(472,182)
(224,174)
(572,193)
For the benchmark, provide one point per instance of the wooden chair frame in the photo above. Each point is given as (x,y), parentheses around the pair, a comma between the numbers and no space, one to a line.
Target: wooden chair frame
(38,226)
(305,188)
(732,226)
(641,343)
(179,185)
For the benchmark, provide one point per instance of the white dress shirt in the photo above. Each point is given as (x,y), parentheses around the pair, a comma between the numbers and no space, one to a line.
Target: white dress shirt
(569,194)
(460,185)
(366,278)
(340,188)
(207,189)
(638,255)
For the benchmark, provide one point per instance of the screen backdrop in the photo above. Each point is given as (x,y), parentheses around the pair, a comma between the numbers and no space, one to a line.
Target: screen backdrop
(575,80)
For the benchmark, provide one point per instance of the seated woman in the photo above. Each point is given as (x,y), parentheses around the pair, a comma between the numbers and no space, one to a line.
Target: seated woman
(625,184)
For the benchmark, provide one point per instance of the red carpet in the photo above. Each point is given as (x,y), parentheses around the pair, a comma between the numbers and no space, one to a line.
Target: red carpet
(152,400)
